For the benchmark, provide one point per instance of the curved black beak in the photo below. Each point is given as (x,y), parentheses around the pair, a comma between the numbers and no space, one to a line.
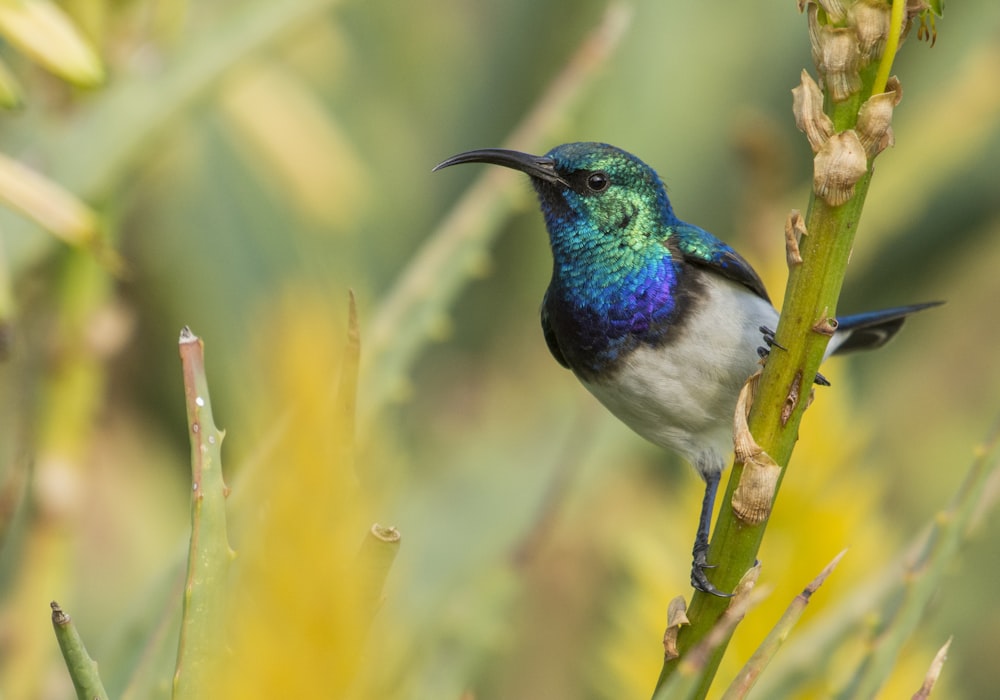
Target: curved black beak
(536,166)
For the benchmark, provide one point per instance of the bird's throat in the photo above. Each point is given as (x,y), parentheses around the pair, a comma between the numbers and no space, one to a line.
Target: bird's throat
(603,302)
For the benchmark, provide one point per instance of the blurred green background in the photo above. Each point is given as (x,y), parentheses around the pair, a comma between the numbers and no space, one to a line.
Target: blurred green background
(243,155)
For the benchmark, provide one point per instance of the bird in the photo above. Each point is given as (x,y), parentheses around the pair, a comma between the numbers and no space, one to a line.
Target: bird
(660,321)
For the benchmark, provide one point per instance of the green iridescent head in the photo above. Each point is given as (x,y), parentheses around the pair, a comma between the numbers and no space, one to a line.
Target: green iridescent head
(600,203)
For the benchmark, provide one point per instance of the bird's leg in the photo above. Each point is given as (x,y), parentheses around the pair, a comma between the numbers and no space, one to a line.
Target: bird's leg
(698,578)
(764,350)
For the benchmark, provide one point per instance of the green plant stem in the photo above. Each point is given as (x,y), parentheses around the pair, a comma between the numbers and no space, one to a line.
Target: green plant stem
(810,298)
(925,571)
(751,671)
(406,317)
(82,668)
(783,392)
(929,554)
(203,620)
(891,46)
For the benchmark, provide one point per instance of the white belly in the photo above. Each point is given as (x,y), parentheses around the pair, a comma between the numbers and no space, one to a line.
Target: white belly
(682,396)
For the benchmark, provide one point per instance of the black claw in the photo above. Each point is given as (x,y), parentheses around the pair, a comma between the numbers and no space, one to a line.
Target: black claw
(764,350)
(698,578)
(768,336)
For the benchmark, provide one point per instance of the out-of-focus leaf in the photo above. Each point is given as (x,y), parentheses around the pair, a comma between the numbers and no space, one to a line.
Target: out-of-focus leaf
(11,92)
(283,127)
(44,32)
(933,673)
(110,137)
(94,152)
(46,202)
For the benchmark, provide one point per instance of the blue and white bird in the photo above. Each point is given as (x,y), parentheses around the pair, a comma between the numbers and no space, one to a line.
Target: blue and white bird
(659,319)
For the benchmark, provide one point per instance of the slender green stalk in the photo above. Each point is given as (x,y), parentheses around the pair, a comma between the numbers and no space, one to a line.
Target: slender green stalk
(891,46)
(925,571)
(82,668)
(845,146)
(841,621)
(420,298)
(202,634)
(748,675)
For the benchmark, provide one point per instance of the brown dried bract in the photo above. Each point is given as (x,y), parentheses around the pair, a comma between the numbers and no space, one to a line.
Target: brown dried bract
(871,20)
(874,125)
(836,53)
(754,495)
(795,228)
(838,166)
(807,106)
(676,616)
(791,398)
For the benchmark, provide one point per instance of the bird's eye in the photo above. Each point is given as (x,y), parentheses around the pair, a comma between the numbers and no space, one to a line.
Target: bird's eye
(598,182)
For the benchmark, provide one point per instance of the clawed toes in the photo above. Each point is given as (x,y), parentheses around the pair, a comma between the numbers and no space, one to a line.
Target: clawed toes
(701,582)
(768,336)
(698,578)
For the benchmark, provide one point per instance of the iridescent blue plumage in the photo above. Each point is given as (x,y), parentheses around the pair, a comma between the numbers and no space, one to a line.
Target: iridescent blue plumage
(659,319)
(618,258)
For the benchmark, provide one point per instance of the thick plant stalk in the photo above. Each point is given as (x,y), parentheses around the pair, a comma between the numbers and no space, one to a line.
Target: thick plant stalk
(847,124)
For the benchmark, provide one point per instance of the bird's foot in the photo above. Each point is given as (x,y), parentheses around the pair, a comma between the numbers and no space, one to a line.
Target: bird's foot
(768,335)
(698,578)
(764,350)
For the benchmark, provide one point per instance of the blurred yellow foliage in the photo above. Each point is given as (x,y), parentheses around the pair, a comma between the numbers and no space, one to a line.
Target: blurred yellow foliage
(301,596)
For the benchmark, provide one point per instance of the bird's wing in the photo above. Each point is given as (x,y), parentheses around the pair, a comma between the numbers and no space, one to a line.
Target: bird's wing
(701,248)
(550,335)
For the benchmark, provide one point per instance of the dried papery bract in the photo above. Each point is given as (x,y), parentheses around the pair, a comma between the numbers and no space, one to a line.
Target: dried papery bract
(836,55)
(870,19)
(834,9)
(676,616)
(795,229)
(875,119)
(754,496)
(838,166)
(807,105)
(839,60)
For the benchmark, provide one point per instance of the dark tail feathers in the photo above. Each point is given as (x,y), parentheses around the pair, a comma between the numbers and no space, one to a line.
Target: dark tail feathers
(873,329)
